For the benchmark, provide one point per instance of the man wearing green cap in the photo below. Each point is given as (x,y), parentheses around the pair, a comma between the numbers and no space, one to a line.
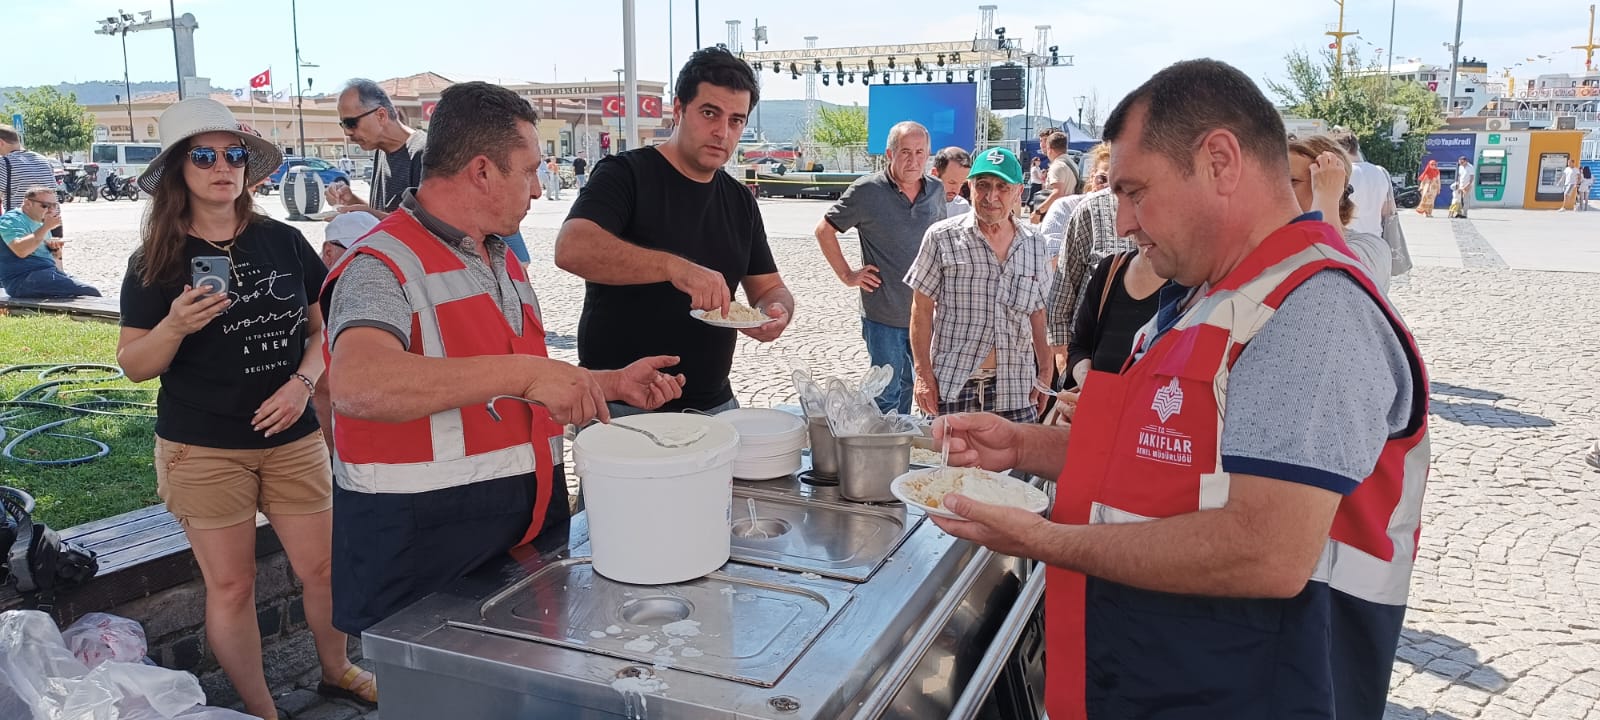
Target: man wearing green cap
(986,275)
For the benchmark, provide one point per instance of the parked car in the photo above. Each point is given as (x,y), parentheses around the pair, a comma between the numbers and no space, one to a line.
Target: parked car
(321,167)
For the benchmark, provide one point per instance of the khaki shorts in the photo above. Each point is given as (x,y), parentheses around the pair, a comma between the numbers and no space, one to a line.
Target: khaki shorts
(210,488)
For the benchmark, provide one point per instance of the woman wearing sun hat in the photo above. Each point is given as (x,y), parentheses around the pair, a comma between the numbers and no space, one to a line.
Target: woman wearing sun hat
(234,429)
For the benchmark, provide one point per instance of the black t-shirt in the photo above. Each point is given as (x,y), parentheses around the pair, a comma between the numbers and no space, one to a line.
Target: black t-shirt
(579,166)
(222,373)
(1104,336)
(639,197)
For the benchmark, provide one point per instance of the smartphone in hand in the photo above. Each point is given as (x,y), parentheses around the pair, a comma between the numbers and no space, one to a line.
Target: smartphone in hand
(211,271)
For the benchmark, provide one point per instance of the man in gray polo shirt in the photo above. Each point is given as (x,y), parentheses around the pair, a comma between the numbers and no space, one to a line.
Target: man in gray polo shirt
(891,211)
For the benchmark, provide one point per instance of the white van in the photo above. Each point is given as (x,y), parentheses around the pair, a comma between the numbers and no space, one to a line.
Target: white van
(127,160)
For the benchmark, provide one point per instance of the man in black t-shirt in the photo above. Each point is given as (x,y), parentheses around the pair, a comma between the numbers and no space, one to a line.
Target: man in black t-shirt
(661,231)
(580,170)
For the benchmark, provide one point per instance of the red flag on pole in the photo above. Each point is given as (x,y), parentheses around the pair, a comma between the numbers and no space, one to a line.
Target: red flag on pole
(262,80)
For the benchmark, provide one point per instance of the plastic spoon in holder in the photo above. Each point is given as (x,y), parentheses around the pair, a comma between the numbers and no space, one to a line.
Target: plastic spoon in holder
(659,441)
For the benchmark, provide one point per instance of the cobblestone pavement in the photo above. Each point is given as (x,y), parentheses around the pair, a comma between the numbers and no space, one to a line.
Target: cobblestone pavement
(1505,607)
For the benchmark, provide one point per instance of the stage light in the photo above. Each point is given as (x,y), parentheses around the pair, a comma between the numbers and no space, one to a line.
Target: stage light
(794,71)
(941,59)
(888,79)
(919,65)
(852,77)
(955,58)
(866,79)
(891,62)
(971,76)
(905,76)
(949,76)
(818,65)
(871,66)
(776,69)
(1055,55)
(756,67)
(824,79)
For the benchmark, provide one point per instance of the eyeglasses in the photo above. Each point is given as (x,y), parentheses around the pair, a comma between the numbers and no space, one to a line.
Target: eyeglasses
(350,123)
(45,205)
(205,157)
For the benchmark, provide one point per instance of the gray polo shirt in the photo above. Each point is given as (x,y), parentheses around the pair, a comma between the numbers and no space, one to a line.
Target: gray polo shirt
(891,227)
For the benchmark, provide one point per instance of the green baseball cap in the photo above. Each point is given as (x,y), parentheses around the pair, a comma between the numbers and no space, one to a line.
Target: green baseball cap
(999,162)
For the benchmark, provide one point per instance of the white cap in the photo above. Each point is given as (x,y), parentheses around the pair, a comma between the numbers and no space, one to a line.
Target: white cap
(349,227)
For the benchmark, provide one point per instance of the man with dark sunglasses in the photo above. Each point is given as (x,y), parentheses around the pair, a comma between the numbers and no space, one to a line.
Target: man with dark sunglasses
(369,120)
(28,266)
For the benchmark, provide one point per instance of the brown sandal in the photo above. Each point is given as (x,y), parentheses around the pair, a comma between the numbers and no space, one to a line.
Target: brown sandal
(352,687)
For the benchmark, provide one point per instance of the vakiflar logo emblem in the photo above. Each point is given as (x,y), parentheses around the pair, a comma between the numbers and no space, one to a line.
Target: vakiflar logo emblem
(1168,400)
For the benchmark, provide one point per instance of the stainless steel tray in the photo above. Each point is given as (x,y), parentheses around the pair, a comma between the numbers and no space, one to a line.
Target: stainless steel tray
(848,542)
(737,628)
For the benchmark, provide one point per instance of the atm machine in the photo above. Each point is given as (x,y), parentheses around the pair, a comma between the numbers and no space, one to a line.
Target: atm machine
(1491,175)
(1549,187)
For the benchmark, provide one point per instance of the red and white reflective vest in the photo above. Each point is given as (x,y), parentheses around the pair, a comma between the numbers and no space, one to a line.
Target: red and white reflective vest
(1146,444)
(451,317)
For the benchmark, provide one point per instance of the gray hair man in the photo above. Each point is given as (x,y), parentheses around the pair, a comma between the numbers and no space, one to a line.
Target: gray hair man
(890,210)
(977,310)
(370,121)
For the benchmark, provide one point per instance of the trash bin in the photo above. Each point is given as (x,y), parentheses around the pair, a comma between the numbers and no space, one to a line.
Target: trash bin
(302,192)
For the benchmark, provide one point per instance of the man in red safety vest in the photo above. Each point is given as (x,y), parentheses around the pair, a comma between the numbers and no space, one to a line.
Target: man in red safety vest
(430,320)
(1238,510)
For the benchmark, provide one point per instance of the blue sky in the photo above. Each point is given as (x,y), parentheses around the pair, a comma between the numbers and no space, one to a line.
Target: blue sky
(1116,44)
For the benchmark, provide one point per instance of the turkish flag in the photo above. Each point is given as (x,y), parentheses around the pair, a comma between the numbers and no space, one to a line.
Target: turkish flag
(649,106)
(428,107)
(262,80)
(611,106)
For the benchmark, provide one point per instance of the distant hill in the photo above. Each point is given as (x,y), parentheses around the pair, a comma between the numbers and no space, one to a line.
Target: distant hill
(104,92)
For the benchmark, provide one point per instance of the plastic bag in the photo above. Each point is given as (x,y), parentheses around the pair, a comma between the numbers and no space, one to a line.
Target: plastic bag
(41,679)
(98,637)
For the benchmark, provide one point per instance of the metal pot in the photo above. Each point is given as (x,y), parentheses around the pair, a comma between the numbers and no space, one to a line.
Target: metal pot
(824,449)
(868,464)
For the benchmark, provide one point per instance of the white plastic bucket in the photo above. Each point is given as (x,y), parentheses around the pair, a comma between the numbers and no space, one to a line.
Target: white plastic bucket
(657,515)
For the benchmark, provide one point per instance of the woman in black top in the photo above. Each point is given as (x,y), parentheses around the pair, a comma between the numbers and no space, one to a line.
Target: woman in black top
(1118,300)
(234,428)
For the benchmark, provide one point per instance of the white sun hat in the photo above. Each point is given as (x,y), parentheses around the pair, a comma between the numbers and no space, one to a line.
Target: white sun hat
(198,116)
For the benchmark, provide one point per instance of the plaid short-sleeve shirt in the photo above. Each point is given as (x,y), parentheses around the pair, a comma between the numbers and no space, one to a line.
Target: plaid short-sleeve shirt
(982,303)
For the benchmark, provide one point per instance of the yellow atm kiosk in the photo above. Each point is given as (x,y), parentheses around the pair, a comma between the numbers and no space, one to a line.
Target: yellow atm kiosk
(1548,152)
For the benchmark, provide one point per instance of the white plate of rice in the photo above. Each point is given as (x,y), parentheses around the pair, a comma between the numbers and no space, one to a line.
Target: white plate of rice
(926,489)
(739,316)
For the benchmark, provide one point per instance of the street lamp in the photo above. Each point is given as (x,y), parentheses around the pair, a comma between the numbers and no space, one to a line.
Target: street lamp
(299,100)
(1455,59)
(1081,100)
(118,25)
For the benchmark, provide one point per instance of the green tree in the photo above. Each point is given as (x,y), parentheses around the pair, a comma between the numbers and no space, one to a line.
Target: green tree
(52,122)
(994,127)
(1364,99)
(840,126)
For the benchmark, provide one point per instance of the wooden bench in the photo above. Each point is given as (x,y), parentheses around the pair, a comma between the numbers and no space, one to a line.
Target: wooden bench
(96,308)
(140,553)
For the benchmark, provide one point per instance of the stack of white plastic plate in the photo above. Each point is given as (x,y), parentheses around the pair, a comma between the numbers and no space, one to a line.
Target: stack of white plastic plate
(770,442)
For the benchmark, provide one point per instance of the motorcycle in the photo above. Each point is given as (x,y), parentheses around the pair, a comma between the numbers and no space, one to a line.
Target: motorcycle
(79,182)
(117,186)
(1407,196)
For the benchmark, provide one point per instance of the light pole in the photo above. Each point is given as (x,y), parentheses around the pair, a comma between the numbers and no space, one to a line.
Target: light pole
(118,25)
(299,99)
(1081,100)
(760,37)
(616,144)
(1455,59)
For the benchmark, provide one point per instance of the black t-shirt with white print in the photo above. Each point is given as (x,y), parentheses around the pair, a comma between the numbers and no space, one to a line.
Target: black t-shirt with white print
(222,373)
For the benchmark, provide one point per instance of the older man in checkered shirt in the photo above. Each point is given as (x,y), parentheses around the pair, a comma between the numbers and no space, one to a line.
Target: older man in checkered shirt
(978,304)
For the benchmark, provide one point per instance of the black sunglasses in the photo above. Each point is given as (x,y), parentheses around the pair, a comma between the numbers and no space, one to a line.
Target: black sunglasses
(350,123)
(205,157)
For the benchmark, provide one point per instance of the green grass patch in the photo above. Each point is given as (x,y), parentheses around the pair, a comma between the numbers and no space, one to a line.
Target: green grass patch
(71,495)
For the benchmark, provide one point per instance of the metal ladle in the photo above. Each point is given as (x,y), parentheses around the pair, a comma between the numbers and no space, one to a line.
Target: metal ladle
(489,406)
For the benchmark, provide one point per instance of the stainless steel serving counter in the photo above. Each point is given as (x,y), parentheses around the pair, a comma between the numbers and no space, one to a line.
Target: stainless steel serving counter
(829,609)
